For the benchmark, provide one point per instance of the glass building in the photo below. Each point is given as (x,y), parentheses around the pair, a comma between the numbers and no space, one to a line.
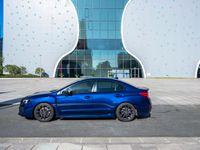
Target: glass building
(99,52)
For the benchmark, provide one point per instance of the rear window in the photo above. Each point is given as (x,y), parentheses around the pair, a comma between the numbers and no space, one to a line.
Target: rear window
(109,86)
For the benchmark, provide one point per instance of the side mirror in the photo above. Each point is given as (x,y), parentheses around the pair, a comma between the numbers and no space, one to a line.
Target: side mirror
(67,93)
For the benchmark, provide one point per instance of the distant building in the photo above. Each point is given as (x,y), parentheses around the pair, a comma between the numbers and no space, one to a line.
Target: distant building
(103,38)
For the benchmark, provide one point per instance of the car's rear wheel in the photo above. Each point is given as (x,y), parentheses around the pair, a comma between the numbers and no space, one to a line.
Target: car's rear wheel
(44,112)
(126,112)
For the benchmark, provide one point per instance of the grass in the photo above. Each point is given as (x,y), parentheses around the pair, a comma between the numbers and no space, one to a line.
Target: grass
(19,76)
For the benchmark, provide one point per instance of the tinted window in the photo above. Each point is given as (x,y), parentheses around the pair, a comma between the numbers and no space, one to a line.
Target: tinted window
(84,87)
(108,86)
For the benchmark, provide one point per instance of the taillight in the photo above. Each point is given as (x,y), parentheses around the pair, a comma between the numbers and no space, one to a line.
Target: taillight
(145,93)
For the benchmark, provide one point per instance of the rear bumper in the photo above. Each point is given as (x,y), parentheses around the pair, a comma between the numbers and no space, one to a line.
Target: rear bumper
(144,110)
(144,113)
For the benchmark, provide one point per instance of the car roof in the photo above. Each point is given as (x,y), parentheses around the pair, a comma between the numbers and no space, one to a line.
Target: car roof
(104,78)
(98,78)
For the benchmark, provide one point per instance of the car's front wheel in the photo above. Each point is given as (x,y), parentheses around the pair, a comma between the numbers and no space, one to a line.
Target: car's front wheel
(44,112)
(126,112)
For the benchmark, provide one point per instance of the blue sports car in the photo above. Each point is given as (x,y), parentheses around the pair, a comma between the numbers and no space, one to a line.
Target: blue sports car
(89,98)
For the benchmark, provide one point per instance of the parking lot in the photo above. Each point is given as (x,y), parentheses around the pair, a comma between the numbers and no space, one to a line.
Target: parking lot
(175,113)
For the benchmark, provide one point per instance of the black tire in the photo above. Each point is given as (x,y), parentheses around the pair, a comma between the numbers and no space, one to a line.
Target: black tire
(44,112)
(126,112)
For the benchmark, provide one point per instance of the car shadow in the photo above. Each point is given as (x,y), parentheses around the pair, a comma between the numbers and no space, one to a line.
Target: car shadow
(85,119)
(10,103)
(6,92)
(139,118)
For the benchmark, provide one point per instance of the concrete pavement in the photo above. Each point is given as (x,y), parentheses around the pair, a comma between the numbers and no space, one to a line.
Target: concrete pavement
(81,143)
(165,120)
(175,122)
(175,113)
(162,91)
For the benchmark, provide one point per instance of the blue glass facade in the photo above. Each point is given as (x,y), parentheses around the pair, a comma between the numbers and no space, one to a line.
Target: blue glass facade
(99,52)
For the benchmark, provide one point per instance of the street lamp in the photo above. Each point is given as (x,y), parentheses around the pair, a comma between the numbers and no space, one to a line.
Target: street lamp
(40,65)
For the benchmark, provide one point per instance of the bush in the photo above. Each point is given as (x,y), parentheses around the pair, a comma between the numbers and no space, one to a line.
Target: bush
(1,65)
(15,70)
(12,69)
(23,70)
(39,71)
(44,75)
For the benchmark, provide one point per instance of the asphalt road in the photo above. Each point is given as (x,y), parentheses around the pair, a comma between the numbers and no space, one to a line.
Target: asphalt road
(175,113)
(166,120)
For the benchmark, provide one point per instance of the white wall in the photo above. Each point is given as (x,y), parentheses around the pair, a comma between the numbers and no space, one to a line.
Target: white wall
(164,35)
(38,27)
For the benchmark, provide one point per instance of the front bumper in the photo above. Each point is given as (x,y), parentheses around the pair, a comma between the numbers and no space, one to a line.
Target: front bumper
(26,110)
(21,111)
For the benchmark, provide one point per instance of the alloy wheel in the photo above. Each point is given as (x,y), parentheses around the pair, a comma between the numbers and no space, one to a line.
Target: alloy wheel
(126,112)
(44,112)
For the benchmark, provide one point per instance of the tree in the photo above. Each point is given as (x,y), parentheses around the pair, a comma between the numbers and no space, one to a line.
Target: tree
(103,69)
(105,64)
(39,71)
(12,69)
(1,65)
(23,70)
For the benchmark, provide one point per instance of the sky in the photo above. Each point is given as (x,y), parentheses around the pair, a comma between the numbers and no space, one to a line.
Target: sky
(1,18)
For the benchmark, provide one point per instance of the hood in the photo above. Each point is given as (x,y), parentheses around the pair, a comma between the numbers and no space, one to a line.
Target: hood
(41,94)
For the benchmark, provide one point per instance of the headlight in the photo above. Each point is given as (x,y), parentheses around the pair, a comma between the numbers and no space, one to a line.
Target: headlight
(25,101)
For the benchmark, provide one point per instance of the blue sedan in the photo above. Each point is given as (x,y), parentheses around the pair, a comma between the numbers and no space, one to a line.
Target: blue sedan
(89,98)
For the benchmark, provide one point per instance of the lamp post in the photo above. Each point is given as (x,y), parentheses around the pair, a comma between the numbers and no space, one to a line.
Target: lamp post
(40,65)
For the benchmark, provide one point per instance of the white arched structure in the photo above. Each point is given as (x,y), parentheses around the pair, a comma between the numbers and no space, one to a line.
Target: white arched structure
(163,37)
(38,33)
(196,70)
(124,44)
(75,43)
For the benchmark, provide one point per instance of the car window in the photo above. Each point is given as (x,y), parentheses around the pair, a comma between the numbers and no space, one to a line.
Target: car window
(109,86)
(80,88)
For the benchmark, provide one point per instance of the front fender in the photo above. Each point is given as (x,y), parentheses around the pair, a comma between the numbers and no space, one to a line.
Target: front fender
(28,109)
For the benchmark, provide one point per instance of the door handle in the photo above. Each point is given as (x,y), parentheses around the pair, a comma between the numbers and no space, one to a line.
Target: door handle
(118,95)
(87,97)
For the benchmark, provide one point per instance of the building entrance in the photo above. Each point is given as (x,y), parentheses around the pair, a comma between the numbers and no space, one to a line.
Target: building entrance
(99,52)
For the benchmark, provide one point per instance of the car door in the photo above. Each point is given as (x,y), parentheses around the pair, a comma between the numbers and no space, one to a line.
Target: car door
(76,104)
(107,95)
